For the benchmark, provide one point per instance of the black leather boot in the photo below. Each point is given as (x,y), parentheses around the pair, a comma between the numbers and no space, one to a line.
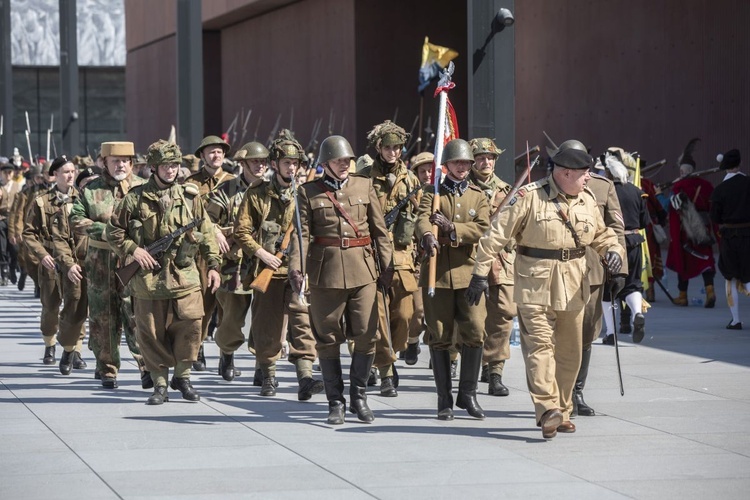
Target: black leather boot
(411,355)
(258,377)
(183,385)
(22,281)
(78,362)
(496,387)
(49,355)
(199,364)
(158,397)
(334,387)
(579,405)
(226,366)
(146,381)
(441,370)
(66,362)
(471,363)
(307,387)
(269,386)
(359,371)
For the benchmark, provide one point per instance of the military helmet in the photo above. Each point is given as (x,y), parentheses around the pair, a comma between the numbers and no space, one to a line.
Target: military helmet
(457,149)
(139,160)
(387,134)
(212,140)
(484,146)
(335,147)
(251,151)
(163,153)
(571,154)
(425,157)
(286,148)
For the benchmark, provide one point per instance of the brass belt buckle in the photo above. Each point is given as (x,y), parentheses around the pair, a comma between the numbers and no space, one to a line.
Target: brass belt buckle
(344,242)
(565,254)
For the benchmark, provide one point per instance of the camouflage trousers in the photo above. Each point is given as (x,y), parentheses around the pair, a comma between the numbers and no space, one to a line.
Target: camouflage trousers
(110,314)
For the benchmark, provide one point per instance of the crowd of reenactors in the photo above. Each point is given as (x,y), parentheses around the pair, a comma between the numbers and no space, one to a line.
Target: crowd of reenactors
(316,252)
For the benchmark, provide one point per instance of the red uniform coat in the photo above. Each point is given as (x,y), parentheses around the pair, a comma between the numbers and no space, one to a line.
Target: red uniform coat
(678,260)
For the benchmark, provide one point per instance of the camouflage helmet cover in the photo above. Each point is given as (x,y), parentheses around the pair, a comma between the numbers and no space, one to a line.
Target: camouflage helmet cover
(484,146)
(212,140)
(286,148)
(387,134)
(251,151)
(457,150)
(335,147)
(163,153)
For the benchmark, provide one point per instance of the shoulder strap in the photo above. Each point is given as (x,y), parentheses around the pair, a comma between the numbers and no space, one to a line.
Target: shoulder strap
(564,217)
(343,213)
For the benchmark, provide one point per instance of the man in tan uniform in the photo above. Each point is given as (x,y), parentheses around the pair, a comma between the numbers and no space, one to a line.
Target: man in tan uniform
(462,218)
(340,218)
(500,307)
(393,182)
(9,189)
(234,295)
(166,291)
(212,151)
(553,221)
(46,217)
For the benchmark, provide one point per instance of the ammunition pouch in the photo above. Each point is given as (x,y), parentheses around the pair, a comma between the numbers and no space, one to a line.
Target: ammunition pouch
(187,250)
(403,232)
(270,232)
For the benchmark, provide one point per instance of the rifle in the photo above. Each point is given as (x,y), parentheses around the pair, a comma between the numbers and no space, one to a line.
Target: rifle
(298,226)
(653,166)
(28,138)
(156,249)
(391,216)
(275,129)
(261,282)
(519,160)
(699,173)
(244,126)
(515,189)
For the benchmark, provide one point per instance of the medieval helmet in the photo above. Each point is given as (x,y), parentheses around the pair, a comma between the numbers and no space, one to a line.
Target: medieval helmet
(212,140)
(334,147)
(457,149)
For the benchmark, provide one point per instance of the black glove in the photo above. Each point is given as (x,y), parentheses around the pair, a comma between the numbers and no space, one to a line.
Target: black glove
(430,244)
(614,263)
(616,286)
(386,278)
(295,280)
(441,221)
(477,286)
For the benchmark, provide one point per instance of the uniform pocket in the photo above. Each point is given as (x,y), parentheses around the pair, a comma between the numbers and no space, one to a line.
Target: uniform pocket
(315,258)
(533,283)
(189,306)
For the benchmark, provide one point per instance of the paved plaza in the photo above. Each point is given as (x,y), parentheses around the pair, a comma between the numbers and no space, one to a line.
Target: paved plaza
(682,430)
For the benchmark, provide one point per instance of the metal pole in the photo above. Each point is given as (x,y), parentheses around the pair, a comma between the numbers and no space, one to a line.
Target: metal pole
(189,74)
(6,80)
(71,138)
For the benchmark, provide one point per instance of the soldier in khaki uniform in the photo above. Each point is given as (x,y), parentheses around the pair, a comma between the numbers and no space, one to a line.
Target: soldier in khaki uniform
(9,189)
(166,292)
(212,151)
(234,295)
(265,216)
(393,182)
(500,307)
(46,217)
(462,218)
(340,217)
(553,221)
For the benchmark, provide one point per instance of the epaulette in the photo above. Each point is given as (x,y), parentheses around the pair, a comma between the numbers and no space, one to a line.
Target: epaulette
(191,189)
(359,174)
(475,188)
(588,190)
(534,185)
(594,175)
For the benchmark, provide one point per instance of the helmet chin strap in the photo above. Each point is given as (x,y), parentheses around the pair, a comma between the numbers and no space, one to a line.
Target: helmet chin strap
(166,183)
(329,171)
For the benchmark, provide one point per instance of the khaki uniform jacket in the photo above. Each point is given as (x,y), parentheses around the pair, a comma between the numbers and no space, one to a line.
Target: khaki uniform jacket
(206,182)
(46,217)
(20,208)
(609,208)
(263,217)
(335,267)
(150,212)
(470,213)
(404,182)
(496,190)
(8,194)
(66,245)
(533,219)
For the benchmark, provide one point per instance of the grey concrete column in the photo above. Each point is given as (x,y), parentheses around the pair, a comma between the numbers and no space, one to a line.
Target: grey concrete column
(492,79)
(6,80)
(69,101)
(189,74)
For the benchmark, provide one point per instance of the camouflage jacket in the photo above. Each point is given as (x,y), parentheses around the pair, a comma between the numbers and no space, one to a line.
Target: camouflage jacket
(150,212)
(264,215)
(46,220)
(496,190)
(223,206)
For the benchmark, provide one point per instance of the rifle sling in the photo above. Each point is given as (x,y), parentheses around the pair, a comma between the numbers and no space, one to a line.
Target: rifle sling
(564,217)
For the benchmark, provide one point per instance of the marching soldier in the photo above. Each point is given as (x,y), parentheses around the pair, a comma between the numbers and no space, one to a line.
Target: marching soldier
(110,307)
(212,151)
(462,218)
(234,295)
(500,307)
(264,220)
(340,218)
(45,218)
(9,189)
(553,221)
(166,291)
(393,182)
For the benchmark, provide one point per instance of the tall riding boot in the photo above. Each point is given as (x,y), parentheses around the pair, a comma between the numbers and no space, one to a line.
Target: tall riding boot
(471,363)
(22,281)
(359,372)
(579,405)
(334,386)
(441,369)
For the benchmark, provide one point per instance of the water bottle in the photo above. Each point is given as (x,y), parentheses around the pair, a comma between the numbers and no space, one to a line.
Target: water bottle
(515,334)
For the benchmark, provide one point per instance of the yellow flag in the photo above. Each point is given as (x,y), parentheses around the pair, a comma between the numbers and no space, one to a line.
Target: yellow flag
(432,53)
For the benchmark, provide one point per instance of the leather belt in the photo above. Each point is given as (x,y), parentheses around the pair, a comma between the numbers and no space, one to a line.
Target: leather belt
(342,242)
(101,245)
(632,231)
(548,253)
(447,242)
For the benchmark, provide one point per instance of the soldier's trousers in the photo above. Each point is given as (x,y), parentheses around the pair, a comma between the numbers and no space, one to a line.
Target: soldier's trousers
(169,330)
(447,310)
(28,263)
(592,316)
(401,309)
(229,336)
(267,327)
(50,297)
(499,325)
(551,346)
(416,324)
(110,314)
(74,312)
(338,313)
(210,302)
